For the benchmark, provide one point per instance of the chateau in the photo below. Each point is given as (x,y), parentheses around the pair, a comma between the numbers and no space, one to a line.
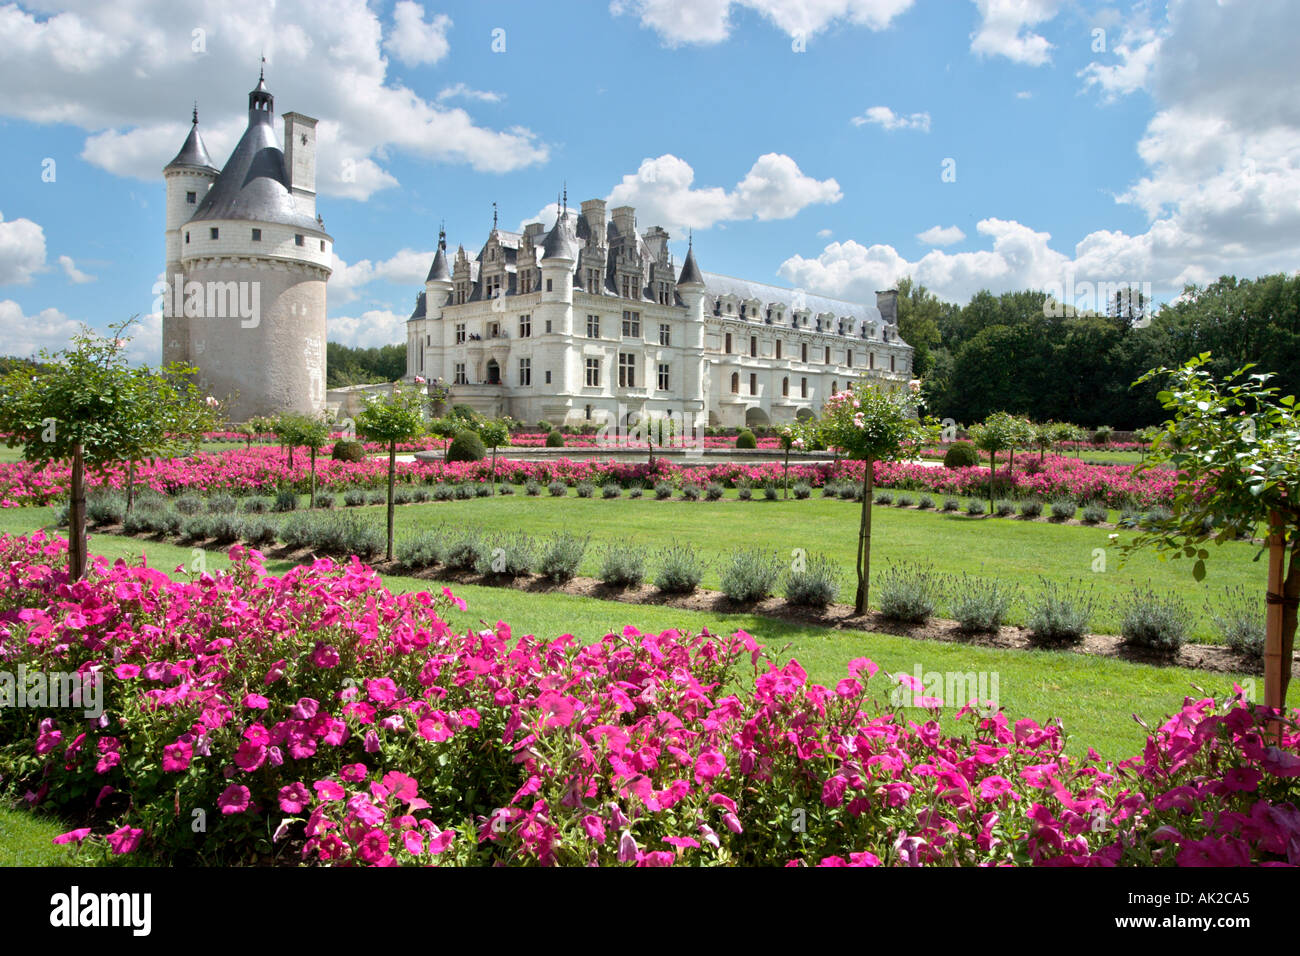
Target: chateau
(591,322)
(243,295)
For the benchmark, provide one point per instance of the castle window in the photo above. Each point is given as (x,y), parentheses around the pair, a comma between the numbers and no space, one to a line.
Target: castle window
(593,326)
(213,232)
(663,377)
(587,412)
(753,346)
(726,344)
(735,383)
(257,235)
(593,377)
(191,198)
(297,239)
(460,374)
(631,325)
(548,325)
(525,372)
(849,358)
(525,326)
(753,384)
(626,370)
(460,332)
(803,352)
(548,378)
(548,285)
(871,360)
(322,245)
(835,386)
(187,237)
(778,348)
(828,355)
(785,387)
(665,335)
(891,364)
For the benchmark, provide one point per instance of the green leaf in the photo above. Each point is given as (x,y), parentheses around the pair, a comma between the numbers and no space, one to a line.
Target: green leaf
(1198,570)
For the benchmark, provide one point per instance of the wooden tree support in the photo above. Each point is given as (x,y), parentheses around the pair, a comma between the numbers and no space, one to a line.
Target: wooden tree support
(1276,670)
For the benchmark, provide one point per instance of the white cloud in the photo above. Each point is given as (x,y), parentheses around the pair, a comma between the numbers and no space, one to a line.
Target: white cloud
(22,250)
(466,92)
(407,267)
(706,22)
(413,41)
(127,72)
(887,119)
(1137,52)
(823,233)
(371,328)
(941,235)
(74,274)
(1004,30)
(1024,95)
(25,335)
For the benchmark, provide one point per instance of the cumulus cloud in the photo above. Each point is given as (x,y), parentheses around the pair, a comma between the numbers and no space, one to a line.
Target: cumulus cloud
(823,233)
(460,90)
(1005,29)
(369,329)
(414,42)
(706,22)
(127,72)
(941,236)
(887,119)
(1137,52)
(75,275)
(22,250)
(26,335)
(408,267)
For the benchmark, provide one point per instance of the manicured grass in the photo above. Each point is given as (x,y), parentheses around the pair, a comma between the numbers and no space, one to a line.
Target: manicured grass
(1094,697)
(25,840)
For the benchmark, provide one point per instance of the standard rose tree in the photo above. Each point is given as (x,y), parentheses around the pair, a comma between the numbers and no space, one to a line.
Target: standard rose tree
(392,418)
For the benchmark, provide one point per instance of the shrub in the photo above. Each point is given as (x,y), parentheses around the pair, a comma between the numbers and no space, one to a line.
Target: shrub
(1058,614)
(611,489)
(532,488)
(904,501)
(713,491)
(851,491)
(622,565)
(561,554)
(441,492)
(1157,622)
(690,492)
(1031,508)
(585,489)
(1238,618)
(751,576)
(961,454)
(830,490)
(975,506)
(812,583)
(193,528)
(381,497)
(341,534)
(925,502)
(257,505)
(421,494)
(635,490)
(663,490)
(507,555)
(402,495)
(1128,517)
(286,499)
(222,504)
(1103,434)
(951,504)
(1063,509)
(557,489)
(347,450)
(801,490)
(421,549)
(257,531)
(884,498)
(1094,513)
(146,521)
(908,592)
(482,489)
(325,499)
(980,605)
(462,491)
(466,446)
(462,552)
(355,497)
(554,440)
(189,504)
(104,508)
(770,490)
(224,528)
(744,492)
(1155,517)
(746,439)
(544,426)
(680,569)
(1004,508)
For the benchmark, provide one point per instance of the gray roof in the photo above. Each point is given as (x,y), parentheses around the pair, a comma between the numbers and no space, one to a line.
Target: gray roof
(561,241)
(439,270)
(419,312)
(254,183)
(690,271)
(718,285)
(193,153)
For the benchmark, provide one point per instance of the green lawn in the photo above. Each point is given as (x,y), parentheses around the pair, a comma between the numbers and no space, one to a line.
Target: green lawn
(25,840)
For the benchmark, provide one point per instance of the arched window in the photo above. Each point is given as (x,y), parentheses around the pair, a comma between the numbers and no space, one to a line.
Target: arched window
(735,383)
(785,387)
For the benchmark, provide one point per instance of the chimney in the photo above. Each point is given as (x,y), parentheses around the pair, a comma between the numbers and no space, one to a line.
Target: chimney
(887,303)
(300,160)
(624,220)
(593,211)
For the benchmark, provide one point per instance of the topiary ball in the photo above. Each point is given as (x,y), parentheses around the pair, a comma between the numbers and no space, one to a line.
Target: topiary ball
(345,450)
(961,454)
(746,439)
(466,446)
(554,440)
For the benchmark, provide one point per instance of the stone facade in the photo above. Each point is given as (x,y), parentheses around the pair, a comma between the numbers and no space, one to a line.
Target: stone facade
(591,322)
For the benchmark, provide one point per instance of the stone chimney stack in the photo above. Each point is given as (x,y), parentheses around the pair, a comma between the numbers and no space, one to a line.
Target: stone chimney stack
(300,160)
(887,303)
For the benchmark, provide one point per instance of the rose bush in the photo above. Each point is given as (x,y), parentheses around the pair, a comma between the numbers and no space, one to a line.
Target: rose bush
(318,717)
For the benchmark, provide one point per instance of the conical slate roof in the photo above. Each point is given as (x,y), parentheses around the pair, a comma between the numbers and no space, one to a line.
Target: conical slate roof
(561,241)
(193,153)
(439,271)
(690,271)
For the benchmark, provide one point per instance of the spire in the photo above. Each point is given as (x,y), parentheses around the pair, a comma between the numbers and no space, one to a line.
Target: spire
(194,117)
(440,271)
(494,217)
(690,271)
(261,104)
(565,187)
(193,152)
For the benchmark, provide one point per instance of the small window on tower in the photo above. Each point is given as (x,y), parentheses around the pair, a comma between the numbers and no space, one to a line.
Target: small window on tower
(257,235)
(187,237)
(298,240)
(322,245)
(191,198)
(212,233)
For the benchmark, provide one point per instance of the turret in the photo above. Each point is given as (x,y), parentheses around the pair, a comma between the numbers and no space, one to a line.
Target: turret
(188,178)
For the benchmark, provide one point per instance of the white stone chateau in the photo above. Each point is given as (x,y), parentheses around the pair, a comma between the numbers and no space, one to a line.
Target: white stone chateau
(591,322)
(243,295)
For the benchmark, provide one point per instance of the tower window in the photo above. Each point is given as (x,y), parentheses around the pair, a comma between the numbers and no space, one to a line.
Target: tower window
(753,346)
(191,198)
(525,326)
(213,232)
(257,235)
(785,387)
(548,285)
(803,387)
(525,372)
(735,383)
(626,370)
(322,245)
(593,377)
(778,348)
(665,335)
(828,355)
(548,378)
(726,345)
(187,237)
(298,239)
(663,377)
(803,352)
(753,384)
(548,325)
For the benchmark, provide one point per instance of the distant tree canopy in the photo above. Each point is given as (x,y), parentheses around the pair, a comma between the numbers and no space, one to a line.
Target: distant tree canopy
(355,366)
(1010,353)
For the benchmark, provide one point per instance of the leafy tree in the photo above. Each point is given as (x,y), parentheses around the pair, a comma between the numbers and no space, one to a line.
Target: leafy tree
(1234,444)
(790,436)
(998,432)
(88,406)
(494,432)
(445,429)
(363,366)
(870,424)
(306,431)
(392,418)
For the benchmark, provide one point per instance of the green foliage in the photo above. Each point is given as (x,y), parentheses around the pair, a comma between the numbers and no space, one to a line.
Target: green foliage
(1063,509)
(746,439)
(286,500)
(909,592)
(611,489)
(395,417)
(1157,622)
(557,489)
(812,582)
(584,489)
(507,556)
(494,433)
(751,575)
(622,565)
(961,454)
(554,440)
(345,450)
(358,366)
(663,490)
(979,605)
(1059,614)
(466,446)
(681,567)
(561,555)
(1238,618)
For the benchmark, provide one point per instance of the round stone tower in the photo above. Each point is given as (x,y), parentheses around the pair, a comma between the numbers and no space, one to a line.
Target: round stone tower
(189,177)
(255,259)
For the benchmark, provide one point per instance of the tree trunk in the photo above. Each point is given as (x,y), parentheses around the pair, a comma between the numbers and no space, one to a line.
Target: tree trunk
(786,476)
(312,502)
(130,485)
(993,474)
(1281,616)
(77,517)
(494,469)
(392,478)
(864,542)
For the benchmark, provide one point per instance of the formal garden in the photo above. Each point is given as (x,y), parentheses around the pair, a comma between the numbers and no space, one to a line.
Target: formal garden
(901,643)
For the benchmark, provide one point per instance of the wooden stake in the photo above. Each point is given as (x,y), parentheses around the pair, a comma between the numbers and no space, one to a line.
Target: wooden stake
(1275,668)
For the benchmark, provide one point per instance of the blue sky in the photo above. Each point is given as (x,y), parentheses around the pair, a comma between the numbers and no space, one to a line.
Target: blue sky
(804,141)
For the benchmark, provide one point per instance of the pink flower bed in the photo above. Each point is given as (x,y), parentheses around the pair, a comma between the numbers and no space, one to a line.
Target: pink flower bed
(353,725)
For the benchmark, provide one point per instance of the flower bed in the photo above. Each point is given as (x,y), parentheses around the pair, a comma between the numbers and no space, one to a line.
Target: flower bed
(318,717)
